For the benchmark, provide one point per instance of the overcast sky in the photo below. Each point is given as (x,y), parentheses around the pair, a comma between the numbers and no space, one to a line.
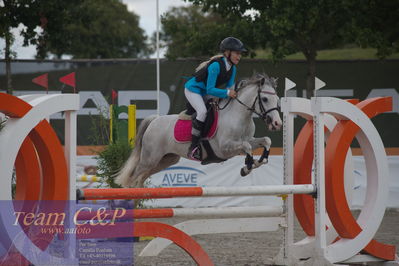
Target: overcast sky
(146,9)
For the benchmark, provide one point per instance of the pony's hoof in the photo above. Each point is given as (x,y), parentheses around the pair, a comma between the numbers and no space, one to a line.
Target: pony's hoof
(244,171)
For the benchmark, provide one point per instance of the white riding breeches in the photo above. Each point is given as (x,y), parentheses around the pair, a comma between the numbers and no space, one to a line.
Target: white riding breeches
(197,102)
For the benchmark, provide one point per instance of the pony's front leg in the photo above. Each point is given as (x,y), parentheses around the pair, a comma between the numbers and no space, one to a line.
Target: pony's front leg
(264,142)
(236,147)
(231,148)
(250,163)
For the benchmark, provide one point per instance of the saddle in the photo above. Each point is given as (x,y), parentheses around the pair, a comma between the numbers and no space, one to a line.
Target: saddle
(182,131)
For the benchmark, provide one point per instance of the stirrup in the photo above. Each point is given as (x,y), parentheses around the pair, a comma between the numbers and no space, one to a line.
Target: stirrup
(195,154)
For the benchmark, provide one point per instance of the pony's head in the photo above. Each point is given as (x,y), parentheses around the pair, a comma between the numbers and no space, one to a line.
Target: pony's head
(263,100)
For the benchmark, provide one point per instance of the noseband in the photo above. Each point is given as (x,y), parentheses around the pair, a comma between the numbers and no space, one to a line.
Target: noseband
(263,112)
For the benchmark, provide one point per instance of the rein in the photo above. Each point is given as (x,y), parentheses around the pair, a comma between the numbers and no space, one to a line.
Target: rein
(263,112)
(228,102)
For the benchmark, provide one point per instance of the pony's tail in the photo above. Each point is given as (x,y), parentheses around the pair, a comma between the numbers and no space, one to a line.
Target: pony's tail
(123,177)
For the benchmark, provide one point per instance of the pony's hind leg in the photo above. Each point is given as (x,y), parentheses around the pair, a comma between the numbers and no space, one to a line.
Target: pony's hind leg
(166,161)
(157,144)
(153,163)
(145,170)
(141,173)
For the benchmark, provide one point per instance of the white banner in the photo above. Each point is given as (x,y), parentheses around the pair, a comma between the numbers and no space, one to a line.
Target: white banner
(189,173)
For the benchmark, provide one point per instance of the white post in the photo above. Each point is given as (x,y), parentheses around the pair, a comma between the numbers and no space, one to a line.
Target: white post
(288,148)
(70,156)
(288,153)
(70,151)
(320,204)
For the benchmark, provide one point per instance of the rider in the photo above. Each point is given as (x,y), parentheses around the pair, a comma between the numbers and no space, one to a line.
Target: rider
(207,79)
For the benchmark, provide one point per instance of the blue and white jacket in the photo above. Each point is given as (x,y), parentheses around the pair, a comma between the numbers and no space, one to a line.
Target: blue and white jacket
(207,80)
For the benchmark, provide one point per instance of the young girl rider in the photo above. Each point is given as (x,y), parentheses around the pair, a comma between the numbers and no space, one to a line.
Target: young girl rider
(207,80)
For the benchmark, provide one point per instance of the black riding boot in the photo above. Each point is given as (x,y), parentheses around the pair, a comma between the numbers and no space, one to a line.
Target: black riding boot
(194,152)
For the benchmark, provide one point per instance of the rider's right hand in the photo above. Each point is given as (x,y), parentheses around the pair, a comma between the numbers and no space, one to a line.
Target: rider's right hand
(232,93)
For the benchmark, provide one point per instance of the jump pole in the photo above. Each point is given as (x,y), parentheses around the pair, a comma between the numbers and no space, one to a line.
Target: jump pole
(189,213)
(172,192)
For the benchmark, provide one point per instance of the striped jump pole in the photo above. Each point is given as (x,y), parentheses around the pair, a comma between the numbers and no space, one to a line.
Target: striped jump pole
(189,213)
(172,192)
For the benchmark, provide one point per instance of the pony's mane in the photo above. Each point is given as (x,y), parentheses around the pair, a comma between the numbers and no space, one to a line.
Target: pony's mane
(258,76)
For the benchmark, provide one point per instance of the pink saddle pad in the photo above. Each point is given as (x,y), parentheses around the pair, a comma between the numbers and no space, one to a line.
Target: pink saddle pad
(182,131)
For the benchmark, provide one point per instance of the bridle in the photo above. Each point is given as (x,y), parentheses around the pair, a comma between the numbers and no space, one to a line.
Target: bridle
(263,112)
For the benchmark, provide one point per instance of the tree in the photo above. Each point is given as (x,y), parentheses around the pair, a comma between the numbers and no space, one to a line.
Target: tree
(80,28)
(308,25)
(290,25)
(375,24)
(9,12)
(96,29)
(31,14)
(188,32)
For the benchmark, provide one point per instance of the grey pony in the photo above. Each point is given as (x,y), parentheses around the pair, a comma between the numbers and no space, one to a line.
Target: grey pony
(156,149)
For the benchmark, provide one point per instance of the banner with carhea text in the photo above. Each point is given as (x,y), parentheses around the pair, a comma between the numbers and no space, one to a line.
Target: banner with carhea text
(65,233)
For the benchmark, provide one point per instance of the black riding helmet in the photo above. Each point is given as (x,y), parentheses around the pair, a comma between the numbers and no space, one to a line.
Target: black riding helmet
(232,44)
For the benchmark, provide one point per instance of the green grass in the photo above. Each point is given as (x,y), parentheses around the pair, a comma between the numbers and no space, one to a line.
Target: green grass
(332,54)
